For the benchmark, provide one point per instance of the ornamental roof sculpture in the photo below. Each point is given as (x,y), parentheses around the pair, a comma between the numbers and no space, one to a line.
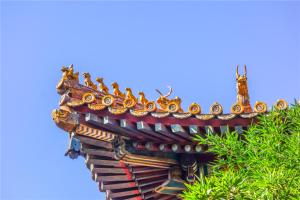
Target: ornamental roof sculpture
(138,148)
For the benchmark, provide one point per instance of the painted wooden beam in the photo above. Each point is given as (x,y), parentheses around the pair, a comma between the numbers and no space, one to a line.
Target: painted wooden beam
(93,142)
(179,130)
(209,129)
(194,129)
(109,124)
(154,195)
(150,195)
(146,181)
(93,119)
(131,127)
(162,129)
(139,197)
(99,178)
(152,182)
(102,162)
(98,152)
(144,127)
(107,192)
(101,187)
(124,194)
(101,170)
(176,148)
(127,125)
(152,176)
(141,170)
(148,188)
(109,121)
(114,125)
(113,186)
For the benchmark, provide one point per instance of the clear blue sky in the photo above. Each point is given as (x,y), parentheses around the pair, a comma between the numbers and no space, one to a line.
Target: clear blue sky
(193,46)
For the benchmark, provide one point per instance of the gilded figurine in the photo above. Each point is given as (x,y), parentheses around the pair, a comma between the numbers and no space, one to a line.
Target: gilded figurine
(68,73)
(88,82)
(64,70)
(64,118)
(242,90)
(169,105)
(143,99)
(163,100)
(116,90)
(129,95)
(176,101)
(102,86)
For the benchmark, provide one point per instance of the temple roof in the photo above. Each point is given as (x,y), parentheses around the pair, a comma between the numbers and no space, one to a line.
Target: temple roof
(136,148)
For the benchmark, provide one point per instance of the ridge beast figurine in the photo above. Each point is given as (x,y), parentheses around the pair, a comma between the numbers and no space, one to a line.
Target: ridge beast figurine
(88,82)
(103,88)
(169,105)
(242,90)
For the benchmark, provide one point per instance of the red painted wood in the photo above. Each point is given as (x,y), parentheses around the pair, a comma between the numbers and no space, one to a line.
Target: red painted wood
(172,120)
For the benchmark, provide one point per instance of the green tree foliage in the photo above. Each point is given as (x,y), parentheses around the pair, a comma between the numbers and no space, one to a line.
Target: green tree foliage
(262,163)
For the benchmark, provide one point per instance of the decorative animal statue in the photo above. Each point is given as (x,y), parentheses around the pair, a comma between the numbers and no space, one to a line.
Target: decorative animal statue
(65,71)
(164,101)
(143,99)
(64,118)
(117,91)
(72,75)
(177,100)
(68,73)
(102,86)
(88,82)
(242,90)
(129,95)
